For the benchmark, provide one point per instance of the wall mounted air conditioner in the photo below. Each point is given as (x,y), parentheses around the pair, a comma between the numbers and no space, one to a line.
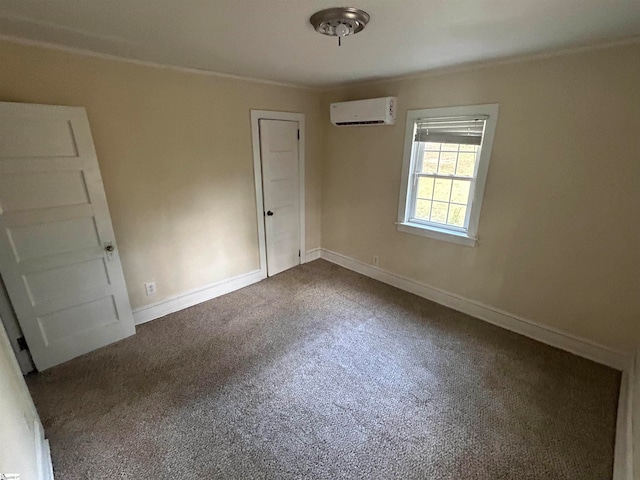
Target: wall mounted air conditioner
(375,111)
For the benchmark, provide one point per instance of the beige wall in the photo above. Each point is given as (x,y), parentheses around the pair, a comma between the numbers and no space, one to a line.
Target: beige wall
(175,154)
(559,227)
(559,232)
(17,417)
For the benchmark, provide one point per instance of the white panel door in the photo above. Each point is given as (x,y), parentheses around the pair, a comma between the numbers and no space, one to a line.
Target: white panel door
(58,255)
(280,185)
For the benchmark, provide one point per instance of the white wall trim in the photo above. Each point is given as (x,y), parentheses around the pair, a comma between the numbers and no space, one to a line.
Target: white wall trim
(542,333)
(311,255)
(43,453)
(461,68)
(146,63)
(256,116)
(194,297)
(48,465)
(483,64)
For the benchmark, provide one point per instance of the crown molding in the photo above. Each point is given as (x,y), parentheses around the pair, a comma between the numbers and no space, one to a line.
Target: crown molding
(471,66)
(145,63)
(466,67)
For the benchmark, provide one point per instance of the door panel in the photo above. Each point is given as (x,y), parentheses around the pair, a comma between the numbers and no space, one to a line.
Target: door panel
(68,293)
(71,321)
(55,137)
(64,281)
(41,240)
(281,184)
(42,190)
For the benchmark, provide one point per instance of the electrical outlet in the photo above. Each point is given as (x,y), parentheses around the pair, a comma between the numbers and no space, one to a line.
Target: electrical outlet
(375,260)
(150,288)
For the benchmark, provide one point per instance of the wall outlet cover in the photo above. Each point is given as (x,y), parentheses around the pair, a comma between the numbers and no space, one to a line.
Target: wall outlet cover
(150,288)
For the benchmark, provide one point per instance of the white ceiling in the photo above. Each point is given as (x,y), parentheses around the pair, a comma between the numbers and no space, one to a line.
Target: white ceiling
(273,40)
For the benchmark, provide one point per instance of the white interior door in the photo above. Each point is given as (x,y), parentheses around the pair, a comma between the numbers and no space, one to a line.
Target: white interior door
(58,255)
(280,186)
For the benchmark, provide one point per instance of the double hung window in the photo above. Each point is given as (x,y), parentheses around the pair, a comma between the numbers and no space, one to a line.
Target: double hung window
(447,154)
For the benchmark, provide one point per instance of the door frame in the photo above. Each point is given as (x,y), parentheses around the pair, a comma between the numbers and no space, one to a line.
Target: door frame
(256,116)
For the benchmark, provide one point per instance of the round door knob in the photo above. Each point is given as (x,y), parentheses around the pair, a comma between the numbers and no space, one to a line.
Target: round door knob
(270,213)
(109,248)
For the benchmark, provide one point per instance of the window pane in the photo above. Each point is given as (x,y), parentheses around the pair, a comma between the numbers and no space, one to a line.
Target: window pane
(439,212)
(450,147)
(430,162)
(423,209)
(432,146)
(466,164)
(468,148)
(447,164)
(460,191)
(456,215)
(425,187)
(442,189)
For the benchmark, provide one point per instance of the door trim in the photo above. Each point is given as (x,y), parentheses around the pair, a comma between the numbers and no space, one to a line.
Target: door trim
(256,116)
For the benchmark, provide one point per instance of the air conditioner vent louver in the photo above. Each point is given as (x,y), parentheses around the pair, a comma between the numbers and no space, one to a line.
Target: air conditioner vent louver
(374,111)
(369,122)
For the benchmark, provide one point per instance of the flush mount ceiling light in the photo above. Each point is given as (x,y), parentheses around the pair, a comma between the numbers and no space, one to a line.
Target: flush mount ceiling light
(339,22)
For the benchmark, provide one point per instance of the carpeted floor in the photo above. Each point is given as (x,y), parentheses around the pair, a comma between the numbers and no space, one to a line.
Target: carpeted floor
(321,373)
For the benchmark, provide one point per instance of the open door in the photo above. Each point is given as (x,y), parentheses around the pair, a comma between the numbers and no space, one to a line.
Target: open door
(58,255)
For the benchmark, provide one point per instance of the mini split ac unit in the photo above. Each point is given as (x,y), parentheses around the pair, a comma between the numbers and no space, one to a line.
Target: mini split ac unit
(375,111)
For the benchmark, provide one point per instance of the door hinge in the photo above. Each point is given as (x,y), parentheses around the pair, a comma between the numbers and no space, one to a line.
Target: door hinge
(298,134)
(298,252)
(22,343)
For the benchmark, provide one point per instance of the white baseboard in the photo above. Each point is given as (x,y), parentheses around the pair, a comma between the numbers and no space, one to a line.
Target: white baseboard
(48,465)
(556,338)
(189,299)
(311,255)
(43,453)
(194,297)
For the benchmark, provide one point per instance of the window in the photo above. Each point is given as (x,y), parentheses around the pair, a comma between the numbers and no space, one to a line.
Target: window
(446,158)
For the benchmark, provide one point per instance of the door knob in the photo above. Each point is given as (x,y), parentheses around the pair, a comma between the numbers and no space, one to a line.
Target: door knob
(270,213)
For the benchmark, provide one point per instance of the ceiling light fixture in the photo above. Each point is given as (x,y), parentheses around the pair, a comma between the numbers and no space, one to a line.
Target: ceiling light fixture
(339,22)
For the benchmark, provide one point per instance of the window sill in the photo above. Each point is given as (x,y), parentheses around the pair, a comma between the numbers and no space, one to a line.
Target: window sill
(437,233)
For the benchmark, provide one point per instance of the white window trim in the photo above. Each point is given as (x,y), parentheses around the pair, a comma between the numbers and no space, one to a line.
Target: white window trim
(469,237)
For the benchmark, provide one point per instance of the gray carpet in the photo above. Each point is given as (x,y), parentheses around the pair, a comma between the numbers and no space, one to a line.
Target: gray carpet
(321,373)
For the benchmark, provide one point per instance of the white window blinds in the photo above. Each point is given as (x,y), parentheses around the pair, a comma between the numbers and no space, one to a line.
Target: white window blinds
(458,130)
